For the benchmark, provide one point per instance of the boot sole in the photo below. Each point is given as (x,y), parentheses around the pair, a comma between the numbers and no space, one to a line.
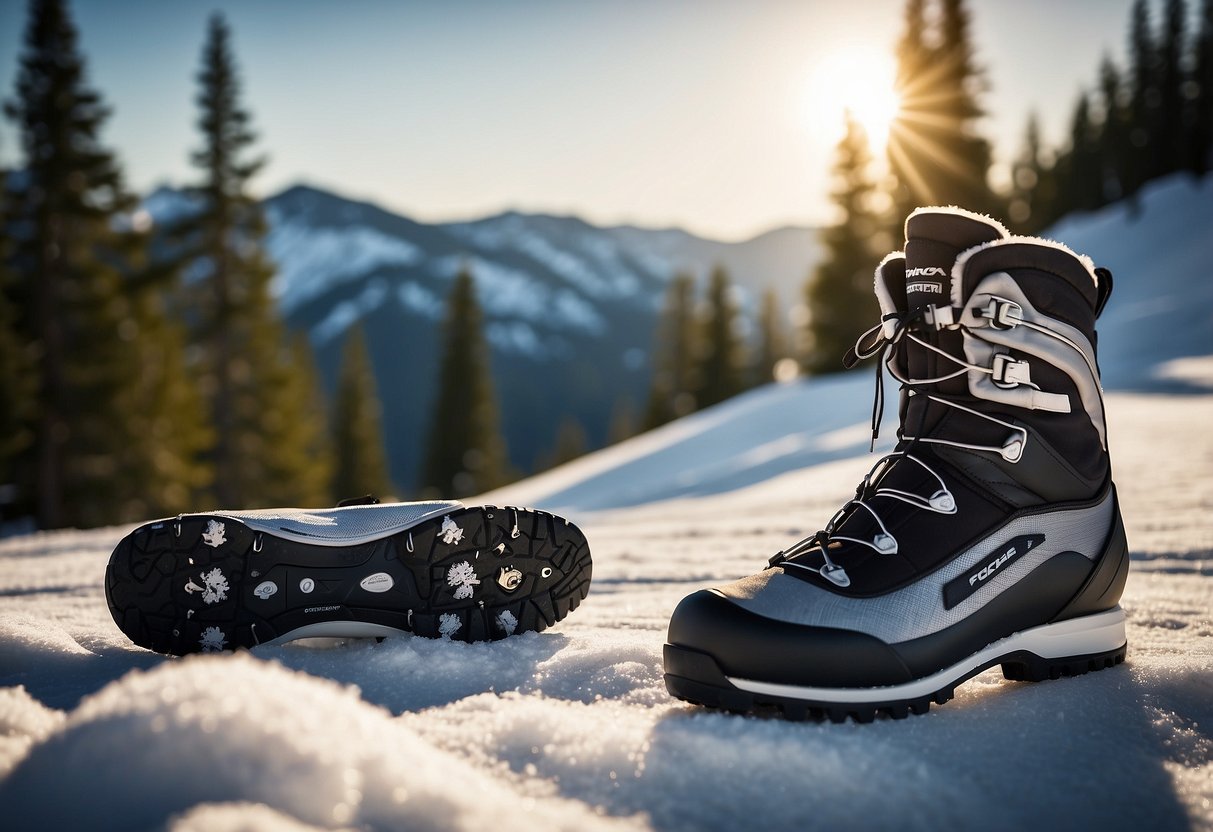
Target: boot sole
(172,589)
(1067,648)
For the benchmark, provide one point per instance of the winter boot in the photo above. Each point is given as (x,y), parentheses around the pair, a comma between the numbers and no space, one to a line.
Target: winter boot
(990,535)
(227,579)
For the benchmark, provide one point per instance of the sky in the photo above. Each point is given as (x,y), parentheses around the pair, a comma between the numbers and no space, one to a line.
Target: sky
(718,117)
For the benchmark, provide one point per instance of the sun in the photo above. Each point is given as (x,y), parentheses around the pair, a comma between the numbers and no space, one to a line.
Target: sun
(860,81)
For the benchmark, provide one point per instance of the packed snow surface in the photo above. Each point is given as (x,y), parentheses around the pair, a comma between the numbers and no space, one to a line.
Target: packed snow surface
(572,728)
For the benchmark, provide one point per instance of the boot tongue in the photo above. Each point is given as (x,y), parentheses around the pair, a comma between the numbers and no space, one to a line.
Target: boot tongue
(934,236)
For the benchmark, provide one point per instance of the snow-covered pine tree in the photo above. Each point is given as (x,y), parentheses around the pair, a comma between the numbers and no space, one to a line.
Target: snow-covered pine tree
(259,389)
(675,345)
(465,450)
(839,293)
(356,425)
(719,374)
(95,334)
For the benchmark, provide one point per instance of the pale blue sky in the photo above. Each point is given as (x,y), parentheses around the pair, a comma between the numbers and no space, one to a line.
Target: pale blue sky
(655,112)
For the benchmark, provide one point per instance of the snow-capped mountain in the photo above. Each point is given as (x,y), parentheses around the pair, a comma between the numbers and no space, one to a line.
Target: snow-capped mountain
(569,307)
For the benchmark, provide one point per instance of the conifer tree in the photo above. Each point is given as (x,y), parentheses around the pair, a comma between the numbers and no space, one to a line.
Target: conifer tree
(290,438)
(675,348)
(720,367)
(906,192)
(360,459)
(936,154)
(1080,174)
(260,389)
(1143,99)
(1032,195)
(106,446)
(839,293)
(1170,128)
(1114,146)
(1201,133)
(16,377)
(772,339)
(623,421)
(571,443)
(465,451)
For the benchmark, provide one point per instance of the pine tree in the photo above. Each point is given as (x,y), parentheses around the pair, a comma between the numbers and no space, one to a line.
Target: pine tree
(907,189)
(936,155)
(675,349)
(356,426)
(17,380)
(772,340)
(1143,99)
(1114,146)
(465,451)
(571,443)
(623,421)
(1080,177)
(1200,149)
(1033,194)
(105,445)
(296,457)
(1170,153)
(260,389)
(839,294)
(719,370)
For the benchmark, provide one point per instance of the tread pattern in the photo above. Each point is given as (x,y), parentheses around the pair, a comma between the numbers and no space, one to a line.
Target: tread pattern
(707,686)
(171,589)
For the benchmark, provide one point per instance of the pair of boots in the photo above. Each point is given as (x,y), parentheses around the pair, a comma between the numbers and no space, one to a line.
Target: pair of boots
(990,535)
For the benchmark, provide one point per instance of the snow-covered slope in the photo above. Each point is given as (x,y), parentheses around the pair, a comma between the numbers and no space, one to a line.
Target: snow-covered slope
(572,728)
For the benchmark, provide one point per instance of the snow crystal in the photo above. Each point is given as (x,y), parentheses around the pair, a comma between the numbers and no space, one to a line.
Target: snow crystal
(448,624)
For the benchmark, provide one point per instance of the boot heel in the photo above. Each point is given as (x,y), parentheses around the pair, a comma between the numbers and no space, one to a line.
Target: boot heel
(1027,667)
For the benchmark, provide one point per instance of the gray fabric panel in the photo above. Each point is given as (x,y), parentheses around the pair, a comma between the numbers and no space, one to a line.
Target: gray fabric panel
(340,525)
(917,610)
(980,350)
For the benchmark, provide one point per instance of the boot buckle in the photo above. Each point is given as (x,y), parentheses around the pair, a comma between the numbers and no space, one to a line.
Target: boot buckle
(1002,313)
(1007,372)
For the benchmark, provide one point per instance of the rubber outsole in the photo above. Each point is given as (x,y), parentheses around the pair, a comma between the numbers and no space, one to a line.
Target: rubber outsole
(511,570)
(696,677)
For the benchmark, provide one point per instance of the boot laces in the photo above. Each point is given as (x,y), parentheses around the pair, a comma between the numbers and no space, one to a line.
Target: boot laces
(884,341)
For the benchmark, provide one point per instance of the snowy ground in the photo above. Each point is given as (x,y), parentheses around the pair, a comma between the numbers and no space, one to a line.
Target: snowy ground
(572,728)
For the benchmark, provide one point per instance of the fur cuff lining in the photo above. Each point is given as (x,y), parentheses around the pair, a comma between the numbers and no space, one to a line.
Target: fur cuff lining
(963,258)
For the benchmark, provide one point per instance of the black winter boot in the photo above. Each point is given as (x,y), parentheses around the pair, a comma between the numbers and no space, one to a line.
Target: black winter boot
(990,535)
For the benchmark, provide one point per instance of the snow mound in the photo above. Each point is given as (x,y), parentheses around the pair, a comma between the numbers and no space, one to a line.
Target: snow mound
(237,730)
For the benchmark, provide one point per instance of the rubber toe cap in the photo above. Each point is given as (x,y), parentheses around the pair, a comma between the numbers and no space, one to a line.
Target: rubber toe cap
(750,646)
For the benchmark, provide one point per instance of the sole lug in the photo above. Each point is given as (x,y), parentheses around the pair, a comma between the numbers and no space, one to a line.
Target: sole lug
(205,583)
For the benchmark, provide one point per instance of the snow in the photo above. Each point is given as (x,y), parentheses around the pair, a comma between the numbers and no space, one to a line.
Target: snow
(572,728)
(312,260)
(506,291)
